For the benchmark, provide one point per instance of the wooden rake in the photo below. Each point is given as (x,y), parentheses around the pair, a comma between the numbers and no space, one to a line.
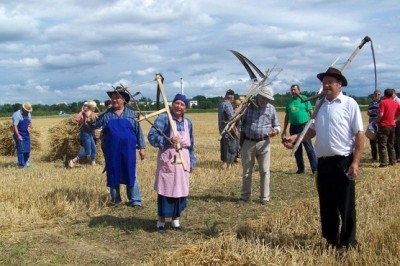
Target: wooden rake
(161,91)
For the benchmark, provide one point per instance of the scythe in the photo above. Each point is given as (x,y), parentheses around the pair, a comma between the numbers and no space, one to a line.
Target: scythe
(249,99)
(321,96)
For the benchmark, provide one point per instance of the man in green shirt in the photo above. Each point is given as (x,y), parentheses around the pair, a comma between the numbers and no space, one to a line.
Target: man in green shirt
(298,113)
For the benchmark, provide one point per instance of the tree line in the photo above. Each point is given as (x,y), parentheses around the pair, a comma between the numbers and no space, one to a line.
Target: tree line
(146,104)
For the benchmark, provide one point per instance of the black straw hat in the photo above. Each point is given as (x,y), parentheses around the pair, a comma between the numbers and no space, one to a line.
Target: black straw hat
(333,72)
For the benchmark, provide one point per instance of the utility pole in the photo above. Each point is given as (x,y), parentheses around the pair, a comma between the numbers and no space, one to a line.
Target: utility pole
(182,86)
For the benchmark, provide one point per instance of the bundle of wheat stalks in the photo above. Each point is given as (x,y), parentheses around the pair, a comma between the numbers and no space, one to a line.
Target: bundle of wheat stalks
(7,146)
(65,142)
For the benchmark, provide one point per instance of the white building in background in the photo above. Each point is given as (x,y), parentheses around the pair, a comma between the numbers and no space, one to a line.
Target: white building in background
(193,103)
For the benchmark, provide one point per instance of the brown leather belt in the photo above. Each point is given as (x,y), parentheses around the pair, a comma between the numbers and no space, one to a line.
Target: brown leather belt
(257,140)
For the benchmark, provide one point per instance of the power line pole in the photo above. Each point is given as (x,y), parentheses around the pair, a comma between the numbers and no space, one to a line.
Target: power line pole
(182,86)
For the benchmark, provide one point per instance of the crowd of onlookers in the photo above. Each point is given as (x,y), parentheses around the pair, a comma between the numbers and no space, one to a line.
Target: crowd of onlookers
(122,140)
(336,122)
(384,123)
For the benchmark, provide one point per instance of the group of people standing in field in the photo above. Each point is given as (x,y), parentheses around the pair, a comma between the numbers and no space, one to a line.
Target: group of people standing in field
(122,137)
(335,158)
(384,122)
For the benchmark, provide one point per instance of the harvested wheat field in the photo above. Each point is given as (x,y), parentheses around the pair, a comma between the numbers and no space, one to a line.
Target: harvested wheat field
(51,215)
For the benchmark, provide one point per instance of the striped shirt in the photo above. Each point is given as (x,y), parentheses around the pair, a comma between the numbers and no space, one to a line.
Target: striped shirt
(373,110)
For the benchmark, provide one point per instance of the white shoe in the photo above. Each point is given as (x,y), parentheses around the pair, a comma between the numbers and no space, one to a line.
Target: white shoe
(93,162)
(71,164)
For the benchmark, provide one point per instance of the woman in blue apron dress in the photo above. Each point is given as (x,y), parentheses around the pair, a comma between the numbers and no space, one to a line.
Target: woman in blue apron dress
(122,136)
(21,120)
(120,157)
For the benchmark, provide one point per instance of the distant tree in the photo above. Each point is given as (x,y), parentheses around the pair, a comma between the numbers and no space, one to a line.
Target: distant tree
(199,98)
(203,102)
(7,108)
(146,104)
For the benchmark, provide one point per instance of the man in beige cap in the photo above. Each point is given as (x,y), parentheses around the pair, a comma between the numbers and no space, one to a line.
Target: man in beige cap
(21,121)
(259,124)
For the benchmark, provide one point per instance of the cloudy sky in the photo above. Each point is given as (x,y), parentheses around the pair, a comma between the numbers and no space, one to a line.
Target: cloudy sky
(72,50)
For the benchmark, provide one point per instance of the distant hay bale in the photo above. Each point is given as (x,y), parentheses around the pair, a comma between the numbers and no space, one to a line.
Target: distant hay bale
(7,147)
(64,141)
(35,143)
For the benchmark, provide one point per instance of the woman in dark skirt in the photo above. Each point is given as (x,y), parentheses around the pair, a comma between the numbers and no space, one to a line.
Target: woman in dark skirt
(172,180)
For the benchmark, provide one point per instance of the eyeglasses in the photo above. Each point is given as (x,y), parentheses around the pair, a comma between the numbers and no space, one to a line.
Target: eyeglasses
(329,82)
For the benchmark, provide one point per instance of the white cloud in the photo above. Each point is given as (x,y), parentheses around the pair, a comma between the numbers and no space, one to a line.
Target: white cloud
(69,61)
(145,72)
(53,51)
(24,63)
(15,26)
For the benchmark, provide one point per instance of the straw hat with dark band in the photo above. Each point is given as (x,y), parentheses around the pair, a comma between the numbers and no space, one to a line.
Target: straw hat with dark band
(121,91)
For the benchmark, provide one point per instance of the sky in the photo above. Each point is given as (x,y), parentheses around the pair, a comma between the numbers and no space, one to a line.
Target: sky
(72,50)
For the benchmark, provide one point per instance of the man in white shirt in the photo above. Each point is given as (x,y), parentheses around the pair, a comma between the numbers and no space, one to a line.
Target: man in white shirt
(339,132)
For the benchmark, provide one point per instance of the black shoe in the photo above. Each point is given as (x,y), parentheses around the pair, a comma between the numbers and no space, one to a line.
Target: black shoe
(356,246)
(314,171)
(300,172)
(241,202)
(383,165)
(178,228)
(161,229)
(115,203)
(135,206)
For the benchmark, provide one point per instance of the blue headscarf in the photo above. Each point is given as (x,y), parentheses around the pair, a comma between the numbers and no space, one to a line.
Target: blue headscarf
(182,98)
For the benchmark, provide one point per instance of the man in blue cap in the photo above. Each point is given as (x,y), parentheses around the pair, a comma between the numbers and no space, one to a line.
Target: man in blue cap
(228,143)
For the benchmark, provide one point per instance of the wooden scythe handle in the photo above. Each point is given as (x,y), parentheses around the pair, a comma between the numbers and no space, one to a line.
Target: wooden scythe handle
(248,100)
(314,114)
(171,121)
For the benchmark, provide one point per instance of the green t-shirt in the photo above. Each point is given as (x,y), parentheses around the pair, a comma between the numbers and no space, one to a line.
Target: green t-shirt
(298,111)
